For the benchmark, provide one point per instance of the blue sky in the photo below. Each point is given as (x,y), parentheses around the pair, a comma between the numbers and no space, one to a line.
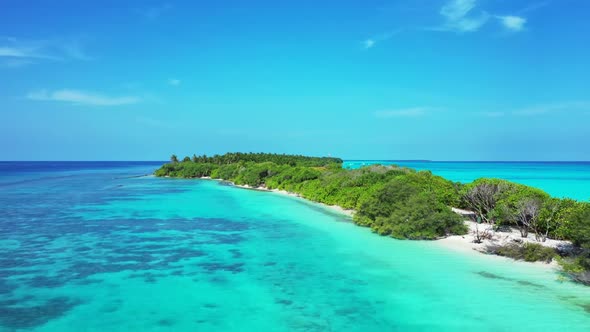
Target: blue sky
(408,79)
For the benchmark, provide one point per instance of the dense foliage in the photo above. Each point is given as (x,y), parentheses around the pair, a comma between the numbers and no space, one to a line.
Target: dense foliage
(578,265)
(393,201)
(503,203)
(530,252)
(279,159)
(407,204)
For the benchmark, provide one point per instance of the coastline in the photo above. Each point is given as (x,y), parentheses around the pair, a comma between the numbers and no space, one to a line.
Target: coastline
(463,244)
(334,208)
(466,243)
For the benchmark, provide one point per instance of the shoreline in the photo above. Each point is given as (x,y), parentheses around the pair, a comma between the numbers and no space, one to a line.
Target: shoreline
(460,244)
(334,208)
(463,244)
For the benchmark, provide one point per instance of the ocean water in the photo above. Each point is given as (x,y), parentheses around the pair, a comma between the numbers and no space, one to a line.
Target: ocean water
(98,247)
(560,179)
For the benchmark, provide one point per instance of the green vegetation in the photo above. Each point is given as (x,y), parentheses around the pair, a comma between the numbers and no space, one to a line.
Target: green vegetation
(406,204)
(530,252)
(393,201)
(503,203)
(577,265)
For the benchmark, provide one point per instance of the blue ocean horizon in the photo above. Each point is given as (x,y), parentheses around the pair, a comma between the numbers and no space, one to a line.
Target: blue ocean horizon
(97,246)
(563,179)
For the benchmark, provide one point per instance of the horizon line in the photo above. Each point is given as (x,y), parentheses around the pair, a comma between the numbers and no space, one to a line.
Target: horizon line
(345,160)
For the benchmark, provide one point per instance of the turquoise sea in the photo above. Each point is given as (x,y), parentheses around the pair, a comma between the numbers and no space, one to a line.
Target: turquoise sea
(560,179)
(99,247)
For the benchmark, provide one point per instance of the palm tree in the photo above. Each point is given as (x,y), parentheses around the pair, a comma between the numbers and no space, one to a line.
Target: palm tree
(173,159)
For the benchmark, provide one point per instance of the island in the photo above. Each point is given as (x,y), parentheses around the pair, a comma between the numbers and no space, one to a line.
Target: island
(416,205)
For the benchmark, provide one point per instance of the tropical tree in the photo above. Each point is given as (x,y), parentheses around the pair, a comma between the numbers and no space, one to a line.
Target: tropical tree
(580,226)
(174,159)
(555,218)
(521,206)
(527,216)
(482,195)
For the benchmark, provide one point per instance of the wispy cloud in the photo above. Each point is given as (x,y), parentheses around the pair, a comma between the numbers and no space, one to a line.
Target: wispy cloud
(464,16)
(403,112)
(534,6)
(82,97)
(22,51)
(459,16)
(368,43)
(512,23)
(18,52)
(174,81)
(457,9)
(372,41)
(571,106)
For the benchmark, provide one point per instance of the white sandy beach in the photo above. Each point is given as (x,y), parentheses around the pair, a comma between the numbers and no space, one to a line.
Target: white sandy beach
(466,243)
(335,208)
(459,243)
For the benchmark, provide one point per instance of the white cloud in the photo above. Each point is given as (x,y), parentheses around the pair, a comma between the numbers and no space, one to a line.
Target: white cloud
(34,51)
(12,52)
(535,6)
(459,16)
(403,112)
(457,9)
(571,106)
(174,81)
(470,24)
(371,42)
(24,52)
(368,43)
(82,97)
(513,23)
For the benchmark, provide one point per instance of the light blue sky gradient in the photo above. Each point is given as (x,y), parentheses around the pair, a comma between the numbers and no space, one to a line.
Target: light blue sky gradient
(411,79)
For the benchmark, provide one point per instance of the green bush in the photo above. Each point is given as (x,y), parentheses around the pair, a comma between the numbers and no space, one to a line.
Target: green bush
(530,252)
(411,206)
(579,231)
(576,267)
(406,204)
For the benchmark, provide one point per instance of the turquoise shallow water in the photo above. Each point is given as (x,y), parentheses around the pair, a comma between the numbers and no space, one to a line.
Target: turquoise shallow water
(100,250)
(560,179)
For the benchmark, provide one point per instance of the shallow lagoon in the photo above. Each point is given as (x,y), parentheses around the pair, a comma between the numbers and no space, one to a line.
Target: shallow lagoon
(560,179)
(101,250)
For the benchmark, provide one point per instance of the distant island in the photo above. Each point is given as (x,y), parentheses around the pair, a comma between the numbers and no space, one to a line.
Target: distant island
(407,204)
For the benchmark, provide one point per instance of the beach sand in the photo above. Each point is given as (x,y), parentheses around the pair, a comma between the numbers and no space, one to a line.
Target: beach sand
(459,243)
(466,243)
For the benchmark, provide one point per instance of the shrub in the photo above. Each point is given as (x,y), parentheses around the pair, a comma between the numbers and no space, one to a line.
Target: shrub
(530,252)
